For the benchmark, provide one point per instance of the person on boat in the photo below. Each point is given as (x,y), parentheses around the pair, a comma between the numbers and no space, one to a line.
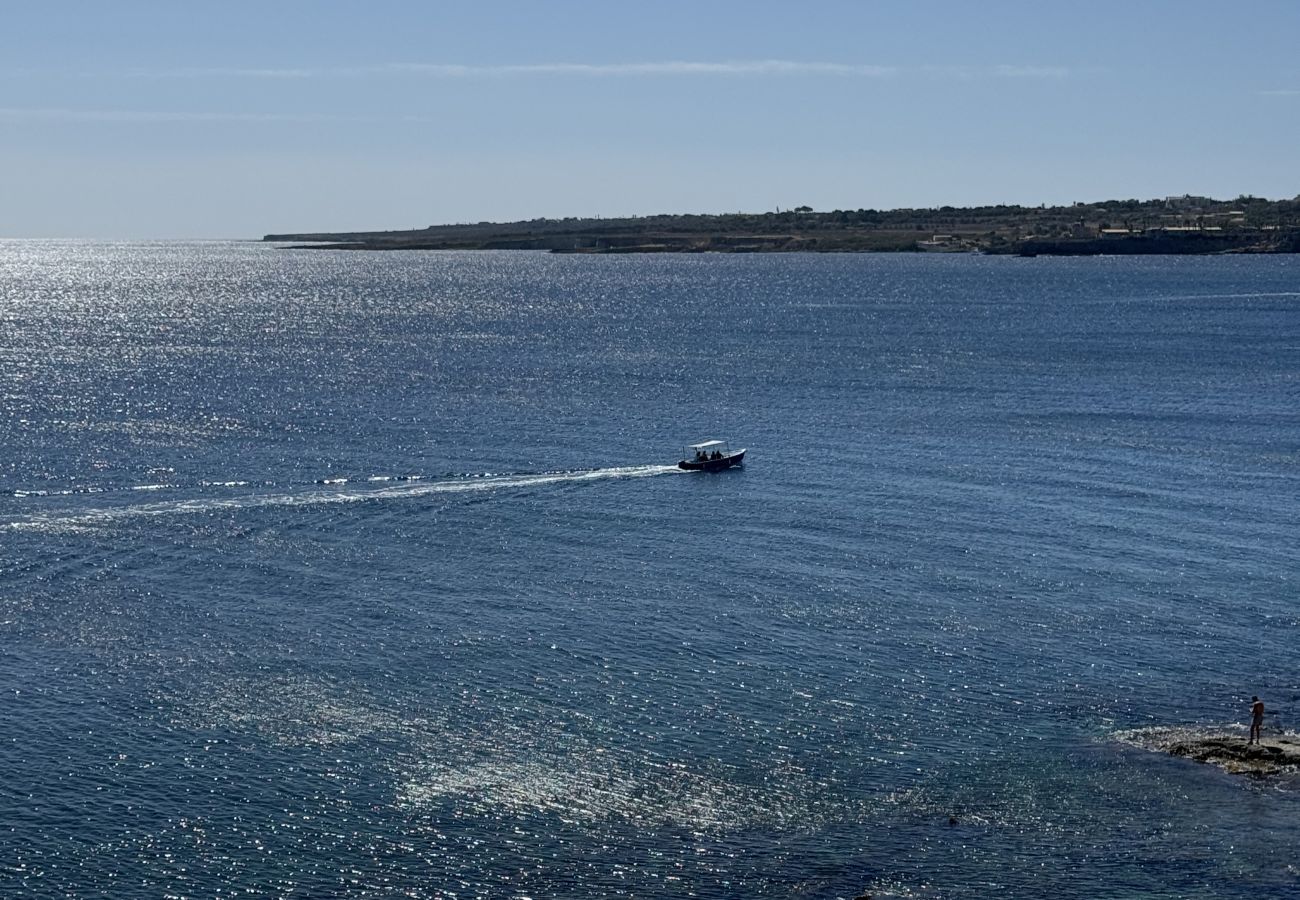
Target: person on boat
(1256,719)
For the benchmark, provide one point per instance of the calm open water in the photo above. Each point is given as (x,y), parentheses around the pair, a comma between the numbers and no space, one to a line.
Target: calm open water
(368,575)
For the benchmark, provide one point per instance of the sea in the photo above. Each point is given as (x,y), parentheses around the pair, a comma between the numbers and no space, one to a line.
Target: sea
(371,575)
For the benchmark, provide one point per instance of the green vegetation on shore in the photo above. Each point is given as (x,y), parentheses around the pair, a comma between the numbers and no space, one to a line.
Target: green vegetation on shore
(1174,225)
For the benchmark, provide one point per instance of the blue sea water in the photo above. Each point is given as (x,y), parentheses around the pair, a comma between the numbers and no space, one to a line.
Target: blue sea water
(329,574)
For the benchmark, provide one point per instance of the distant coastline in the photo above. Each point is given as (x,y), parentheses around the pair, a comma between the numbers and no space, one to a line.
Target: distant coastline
(1171,226)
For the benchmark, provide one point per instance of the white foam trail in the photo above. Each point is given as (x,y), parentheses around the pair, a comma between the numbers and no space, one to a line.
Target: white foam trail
(22,495)
(318,496)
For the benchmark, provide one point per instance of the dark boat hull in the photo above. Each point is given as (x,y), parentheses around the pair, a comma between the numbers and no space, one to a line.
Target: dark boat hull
(712,465)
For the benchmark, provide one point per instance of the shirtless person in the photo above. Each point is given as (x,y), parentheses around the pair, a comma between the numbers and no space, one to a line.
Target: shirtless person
(1256,719)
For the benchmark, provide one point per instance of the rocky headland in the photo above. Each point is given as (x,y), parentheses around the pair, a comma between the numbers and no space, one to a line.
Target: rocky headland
(1275,754)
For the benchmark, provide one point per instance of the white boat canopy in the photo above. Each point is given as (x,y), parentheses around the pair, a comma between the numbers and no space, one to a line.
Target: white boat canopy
(707,445)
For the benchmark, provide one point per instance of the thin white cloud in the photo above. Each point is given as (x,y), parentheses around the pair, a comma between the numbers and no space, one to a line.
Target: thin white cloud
(671,68)
(63,114)
(1031,71)
(675,68)
(973,73)
(220,72)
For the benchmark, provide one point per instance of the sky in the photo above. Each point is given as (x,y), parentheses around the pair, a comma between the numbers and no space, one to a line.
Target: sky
(140,120)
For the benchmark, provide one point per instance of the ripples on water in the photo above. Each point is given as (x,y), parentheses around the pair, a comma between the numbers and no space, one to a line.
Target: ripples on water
(332,574)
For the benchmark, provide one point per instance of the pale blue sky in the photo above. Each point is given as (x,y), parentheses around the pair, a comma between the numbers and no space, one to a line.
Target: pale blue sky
(170,119)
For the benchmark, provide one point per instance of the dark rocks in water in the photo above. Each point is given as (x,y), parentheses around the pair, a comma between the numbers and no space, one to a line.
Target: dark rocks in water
(1227,750)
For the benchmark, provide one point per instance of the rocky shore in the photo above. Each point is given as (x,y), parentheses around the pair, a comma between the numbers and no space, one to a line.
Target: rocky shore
(1275,754)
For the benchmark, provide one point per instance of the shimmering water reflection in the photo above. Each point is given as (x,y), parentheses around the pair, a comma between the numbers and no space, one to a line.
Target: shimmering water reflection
(369,575)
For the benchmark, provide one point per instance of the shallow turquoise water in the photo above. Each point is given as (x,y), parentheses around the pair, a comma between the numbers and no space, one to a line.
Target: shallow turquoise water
(369,575)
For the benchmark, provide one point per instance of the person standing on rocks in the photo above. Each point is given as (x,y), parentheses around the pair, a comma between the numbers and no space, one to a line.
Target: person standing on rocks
(1256,719)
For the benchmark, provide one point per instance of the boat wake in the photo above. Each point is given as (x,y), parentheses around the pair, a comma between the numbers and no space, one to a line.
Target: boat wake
(224,496)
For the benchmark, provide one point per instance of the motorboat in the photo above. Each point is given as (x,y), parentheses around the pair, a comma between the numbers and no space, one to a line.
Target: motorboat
(711,456)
